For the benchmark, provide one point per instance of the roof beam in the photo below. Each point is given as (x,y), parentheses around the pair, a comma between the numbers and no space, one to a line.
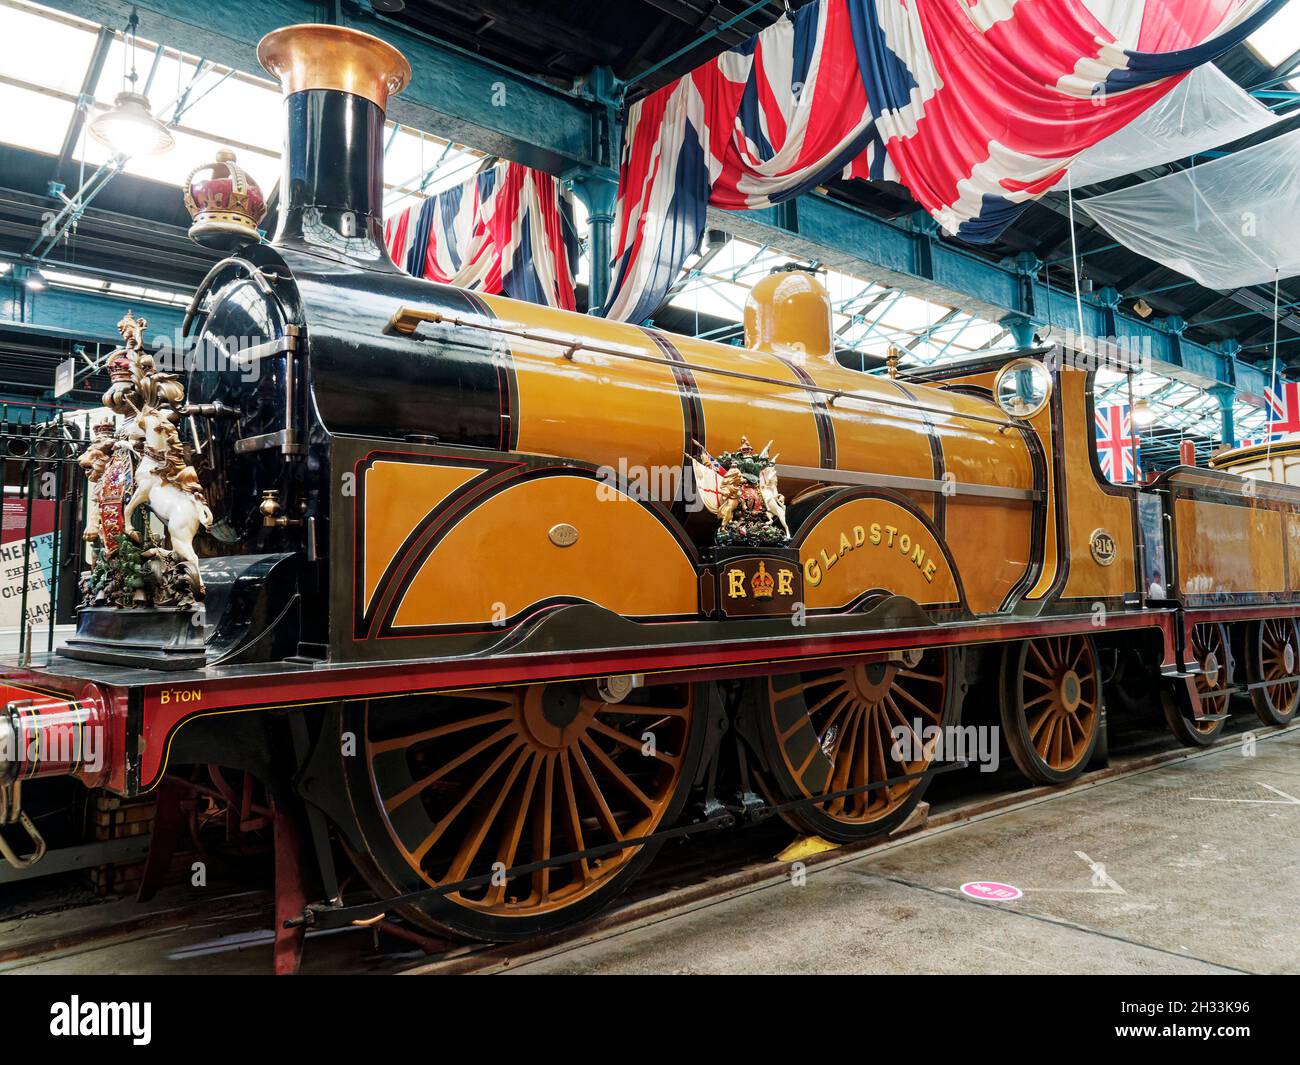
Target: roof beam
(453,93)
(82,316)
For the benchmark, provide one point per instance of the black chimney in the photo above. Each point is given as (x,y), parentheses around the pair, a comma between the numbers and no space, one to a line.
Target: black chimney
(336,84)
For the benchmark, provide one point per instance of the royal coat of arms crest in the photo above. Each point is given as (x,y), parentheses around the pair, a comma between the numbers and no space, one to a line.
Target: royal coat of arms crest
(740,488)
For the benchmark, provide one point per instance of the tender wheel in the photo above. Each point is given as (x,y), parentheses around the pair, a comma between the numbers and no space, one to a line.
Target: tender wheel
(1210,691)
(830,730)
(1273,653)
(1051,706)
(443,787)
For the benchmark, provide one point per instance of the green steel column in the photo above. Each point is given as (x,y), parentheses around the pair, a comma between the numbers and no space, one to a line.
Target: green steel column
(598,193)
(1226,395)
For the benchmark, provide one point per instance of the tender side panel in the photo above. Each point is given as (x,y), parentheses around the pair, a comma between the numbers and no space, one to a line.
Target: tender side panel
(1224,549)
(1293,551)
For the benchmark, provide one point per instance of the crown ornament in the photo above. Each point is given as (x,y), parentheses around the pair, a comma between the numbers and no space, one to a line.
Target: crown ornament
(762,583)
(226,204)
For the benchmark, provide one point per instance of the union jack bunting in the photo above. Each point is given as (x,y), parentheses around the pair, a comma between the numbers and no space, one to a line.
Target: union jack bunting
(508,229)
(1117,446)
(1283,409)
(977,106)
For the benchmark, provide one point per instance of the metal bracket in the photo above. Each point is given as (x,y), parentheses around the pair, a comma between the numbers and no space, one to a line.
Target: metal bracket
(286,440)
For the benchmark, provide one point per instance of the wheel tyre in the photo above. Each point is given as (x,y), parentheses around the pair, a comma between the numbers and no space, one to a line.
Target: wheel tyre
(1183,696)
(385,865)
(1182,723)
(1272,652)
(1046,655)
(775,702)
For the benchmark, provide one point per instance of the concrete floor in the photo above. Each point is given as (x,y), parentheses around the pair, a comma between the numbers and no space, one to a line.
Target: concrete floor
(1201,874)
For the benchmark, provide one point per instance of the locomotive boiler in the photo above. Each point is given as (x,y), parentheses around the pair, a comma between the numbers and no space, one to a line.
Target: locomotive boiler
(498,595)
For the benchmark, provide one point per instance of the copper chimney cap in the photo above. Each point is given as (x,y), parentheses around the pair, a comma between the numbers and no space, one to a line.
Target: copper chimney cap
(311,56)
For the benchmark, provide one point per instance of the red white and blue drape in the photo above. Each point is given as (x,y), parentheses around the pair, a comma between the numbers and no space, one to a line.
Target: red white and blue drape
(1283,409)
(1118,446)
(976,106)
(507,230)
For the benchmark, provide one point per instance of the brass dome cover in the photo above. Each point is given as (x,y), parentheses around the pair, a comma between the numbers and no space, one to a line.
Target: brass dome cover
(789,313)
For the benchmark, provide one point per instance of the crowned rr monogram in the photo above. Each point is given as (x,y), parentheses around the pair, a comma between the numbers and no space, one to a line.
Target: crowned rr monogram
(758,584)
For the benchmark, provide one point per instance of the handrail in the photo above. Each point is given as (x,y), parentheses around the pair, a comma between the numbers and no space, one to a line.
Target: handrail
(407,320)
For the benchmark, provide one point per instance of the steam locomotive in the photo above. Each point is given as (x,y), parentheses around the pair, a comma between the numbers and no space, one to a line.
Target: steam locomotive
(445,612)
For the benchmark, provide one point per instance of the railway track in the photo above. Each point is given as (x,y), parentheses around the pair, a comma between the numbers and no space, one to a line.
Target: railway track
(232,932)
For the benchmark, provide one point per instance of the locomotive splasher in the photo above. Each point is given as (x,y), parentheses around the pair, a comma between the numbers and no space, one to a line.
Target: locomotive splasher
(452,609)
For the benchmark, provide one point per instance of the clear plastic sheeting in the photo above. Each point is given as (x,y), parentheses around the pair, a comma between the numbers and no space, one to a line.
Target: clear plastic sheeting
(1227,223)
(1205,110)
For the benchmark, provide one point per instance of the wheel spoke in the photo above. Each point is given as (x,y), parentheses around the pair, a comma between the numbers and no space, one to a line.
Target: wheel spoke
(632,743)
(1042,742)
(843,758)
(846,700)
(933,715)
(509,846)
(898,714)
(412,790)
(595,793)
(1036,723)
(839,689)
(418,854)
(624,781)
(473,841)
(936,678)
(400,742)
(1033,646)
(877,765)
(574,817)
(642,711)
(542,829)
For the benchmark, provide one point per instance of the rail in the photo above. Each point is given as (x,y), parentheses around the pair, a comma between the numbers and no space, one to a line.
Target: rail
(327,917)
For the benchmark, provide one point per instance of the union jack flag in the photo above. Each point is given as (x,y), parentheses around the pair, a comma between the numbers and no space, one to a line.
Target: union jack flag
(977,106)
(1118,447)
(508,229)
(1283,409)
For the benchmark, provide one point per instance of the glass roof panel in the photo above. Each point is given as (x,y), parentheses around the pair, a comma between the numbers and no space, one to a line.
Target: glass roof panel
(32,120)
(52,53)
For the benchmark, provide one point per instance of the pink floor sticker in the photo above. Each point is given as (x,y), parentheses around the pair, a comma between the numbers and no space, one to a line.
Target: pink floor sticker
(991,891)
